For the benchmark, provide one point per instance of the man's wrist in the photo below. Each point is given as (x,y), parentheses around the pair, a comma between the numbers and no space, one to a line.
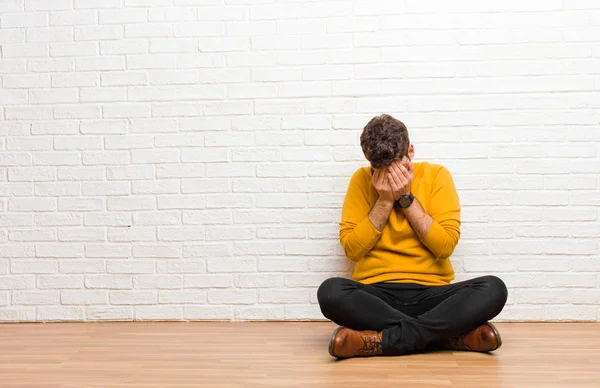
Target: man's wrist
(388,204)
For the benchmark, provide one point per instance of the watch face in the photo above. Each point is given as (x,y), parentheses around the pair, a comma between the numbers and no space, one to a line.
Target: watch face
(405,201)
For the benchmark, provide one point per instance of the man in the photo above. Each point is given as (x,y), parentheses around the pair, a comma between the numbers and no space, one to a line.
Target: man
(400,224)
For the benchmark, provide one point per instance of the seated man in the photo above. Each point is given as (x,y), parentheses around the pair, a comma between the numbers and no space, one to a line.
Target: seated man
(400,224)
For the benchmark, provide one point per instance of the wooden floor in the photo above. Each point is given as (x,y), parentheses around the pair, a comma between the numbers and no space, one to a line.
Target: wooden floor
(280,355)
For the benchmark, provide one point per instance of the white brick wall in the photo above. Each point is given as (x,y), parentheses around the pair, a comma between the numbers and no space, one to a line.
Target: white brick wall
(187,160)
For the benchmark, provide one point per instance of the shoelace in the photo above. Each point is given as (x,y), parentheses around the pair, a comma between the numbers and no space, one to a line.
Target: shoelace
(457,342)
(371,345)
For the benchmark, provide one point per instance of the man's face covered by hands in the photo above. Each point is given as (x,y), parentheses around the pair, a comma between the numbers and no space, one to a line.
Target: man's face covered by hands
(395,180)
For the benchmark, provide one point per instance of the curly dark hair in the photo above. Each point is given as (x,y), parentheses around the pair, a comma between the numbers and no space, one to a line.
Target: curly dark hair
(384,139)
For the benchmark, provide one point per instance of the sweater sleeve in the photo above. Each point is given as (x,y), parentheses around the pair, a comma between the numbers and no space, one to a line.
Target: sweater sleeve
(444,209)
(357,233)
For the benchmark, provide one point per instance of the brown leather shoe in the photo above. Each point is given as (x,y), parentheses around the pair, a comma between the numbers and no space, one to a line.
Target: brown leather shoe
(484,338)
(346,343)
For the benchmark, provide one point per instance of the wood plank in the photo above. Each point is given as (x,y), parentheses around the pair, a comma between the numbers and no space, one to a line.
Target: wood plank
(276,354)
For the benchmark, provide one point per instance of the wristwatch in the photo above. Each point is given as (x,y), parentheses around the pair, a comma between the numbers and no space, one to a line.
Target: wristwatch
(405,201)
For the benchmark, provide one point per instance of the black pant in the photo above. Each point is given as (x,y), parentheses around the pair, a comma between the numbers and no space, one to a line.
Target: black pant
(412,317)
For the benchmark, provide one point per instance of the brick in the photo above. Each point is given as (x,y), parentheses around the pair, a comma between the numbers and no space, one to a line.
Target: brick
(78,49)
(60,282)
(258,185)
(80,173)
(17,129)
(92,33)
(71,18)
(153,313)
(229,170)
(54,128)
(283,296)
(232,296)
(32,235)
(35,297)
(20,266)
(24,19)
(172,14)
(229,264)
(32,204)
(130,267)
(303,312)
(58,219)
(153,126)
(154,156)
(181,202)
(131,234)
(81,234)
(281,200)
(309,248)
(122,16)
(109,313)
(130,173)
(128,142)
(150,218)
(83,297)
(80,204)
(259,313)
(13,97)
(28,113)
(25,50)
(80,111)
(177,109)
(133,297)
(207,281)
(150,61)
(208,313)
(198,29)
(229,201)
(181,140)
(16,190)
(182,234)
(15,159)
(20,282)
(181,266)
(100,64)
(51,65)
(162,186)
(107,219)
(179,171)
(157,251)
(281,170)
(223,44)
(81,266)
(111,282)
(158,282)
(182,296)
(150,30)
(258,248)
(62,314)
(258,281)
(16,219)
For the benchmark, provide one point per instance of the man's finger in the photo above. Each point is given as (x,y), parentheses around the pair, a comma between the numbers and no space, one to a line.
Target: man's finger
(393,184)
(405,172)
(394,174)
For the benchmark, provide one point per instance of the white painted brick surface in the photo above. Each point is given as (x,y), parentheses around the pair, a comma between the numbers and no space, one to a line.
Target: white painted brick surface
(187,160)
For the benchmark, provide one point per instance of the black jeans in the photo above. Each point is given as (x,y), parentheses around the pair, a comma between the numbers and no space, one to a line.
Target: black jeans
(412,317)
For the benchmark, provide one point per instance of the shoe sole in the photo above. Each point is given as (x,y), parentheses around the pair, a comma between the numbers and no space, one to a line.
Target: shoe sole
(497,333)
(332,343)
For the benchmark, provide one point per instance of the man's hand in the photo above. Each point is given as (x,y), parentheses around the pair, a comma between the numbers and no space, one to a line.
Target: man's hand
(385,203)
(382,185)
(399,176)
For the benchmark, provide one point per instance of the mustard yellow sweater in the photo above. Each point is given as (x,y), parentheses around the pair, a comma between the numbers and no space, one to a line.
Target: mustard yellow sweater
(397,254)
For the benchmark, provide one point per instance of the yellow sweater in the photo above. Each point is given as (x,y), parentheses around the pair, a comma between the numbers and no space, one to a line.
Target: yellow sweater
(397,254)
